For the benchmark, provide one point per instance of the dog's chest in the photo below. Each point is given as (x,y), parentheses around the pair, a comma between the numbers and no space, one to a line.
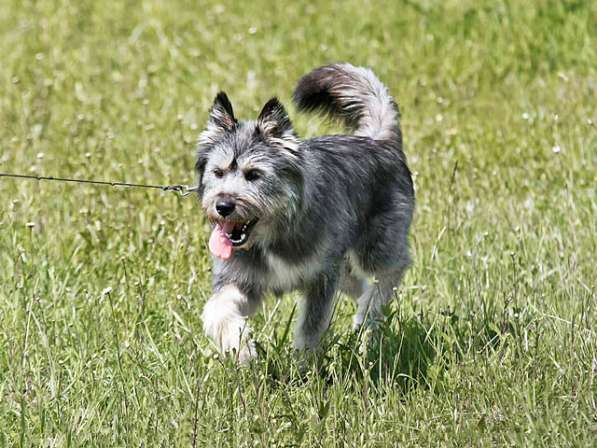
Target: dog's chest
(285,276)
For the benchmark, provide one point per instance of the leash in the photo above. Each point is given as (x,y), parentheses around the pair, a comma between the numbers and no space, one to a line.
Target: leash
(182,190)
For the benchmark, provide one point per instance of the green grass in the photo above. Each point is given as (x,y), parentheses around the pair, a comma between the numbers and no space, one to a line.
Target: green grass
(494,338)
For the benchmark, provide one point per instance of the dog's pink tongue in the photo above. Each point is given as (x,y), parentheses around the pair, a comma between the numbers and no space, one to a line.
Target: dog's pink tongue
(219,244)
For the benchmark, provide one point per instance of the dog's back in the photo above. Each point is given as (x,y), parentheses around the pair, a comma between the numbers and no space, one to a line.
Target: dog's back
(366,172)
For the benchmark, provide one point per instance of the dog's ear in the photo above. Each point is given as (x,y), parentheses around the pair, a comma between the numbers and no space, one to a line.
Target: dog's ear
(221,119)
(221,113)
(273,120)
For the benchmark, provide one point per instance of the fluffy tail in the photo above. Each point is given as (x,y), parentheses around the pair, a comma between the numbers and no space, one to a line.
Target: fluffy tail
(356,95)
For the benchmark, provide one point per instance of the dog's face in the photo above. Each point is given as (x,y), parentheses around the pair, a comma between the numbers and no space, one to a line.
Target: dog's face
(249,172)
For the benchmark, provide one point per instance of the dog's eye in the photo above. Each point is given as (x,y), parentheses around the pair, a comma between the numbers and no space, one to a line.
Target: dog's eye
(252,175)
(218,173)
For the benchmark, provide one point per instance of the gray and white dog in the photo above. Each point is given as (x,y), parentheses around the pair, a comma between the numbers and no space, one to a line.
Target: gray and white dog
(320,215)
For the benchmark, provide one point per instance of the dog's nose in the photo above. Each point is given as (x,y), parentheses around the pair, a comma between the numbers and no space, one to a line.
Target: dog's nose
(225,206)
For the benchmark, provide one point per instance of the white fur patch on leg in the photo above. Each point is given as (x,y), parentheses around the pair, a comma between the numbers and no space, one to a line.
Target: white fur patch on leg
(378,293)
(226,324)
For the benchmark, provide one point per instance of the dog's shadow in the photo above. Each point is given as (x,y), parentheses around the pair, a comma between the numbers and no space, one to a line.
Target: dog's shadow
(408,351)
(398,353)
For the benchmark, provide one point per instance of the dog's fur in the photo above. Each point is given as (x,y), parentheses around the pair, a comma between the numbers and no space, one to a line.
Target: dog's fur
(333,212)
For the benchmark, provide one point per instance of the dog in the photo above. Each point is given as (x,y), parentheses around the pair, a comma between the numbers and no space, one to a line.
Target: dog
(321,215)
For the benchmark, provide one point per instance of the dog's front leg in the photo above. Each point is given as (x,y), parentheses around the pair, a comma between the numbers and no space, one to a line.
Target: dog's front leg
(225,321)
(316,311)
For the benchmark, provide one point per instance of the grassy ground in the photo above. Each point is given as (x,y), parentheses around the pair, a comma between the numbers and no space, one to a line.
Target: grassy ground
(494,338)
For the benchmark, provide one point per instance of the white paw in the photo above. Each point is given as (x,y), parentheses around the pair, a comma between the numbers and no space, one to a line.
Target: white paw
(303,341)
(300,342)
(369,324)
(357,322)
(228,329)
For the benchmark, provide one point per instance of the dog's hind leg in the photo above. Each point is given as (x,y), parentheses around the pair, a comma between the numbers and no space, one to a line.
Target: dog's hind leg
(316,311)
(383,253)
(352,284)
(225,321)
(378,293)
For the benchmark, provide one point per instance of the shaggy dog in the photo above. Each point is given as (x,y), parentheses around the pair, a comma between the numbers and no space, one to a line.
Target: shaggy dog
(320,215)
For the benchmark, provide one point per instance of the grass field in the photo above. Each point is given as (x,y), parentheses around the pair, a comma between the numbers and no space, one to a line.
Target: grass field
(494,338)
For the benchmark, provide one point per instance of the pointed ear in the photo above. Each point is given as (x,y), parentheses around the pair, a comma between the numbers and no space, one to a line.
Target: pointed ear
(221,120)
(221,114)
(273,120)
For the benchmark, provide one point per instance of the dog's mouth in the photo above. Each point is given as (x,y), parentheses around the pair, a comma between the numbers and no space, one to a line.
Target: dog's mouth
(229,235)
(237,232)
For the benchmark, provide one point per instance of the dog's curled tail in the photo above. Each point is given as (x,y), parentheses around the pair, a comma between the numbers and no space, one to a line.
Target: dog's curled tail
(354,94)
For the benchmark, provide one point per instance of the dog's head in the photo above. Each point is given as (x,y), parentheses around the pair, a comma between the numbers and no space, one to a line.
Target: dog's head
(249,172)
